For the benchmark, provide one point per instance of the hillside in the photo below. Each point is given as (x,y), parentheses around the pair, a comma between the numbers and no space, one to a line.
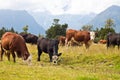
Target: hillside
(112,12)
(74,21)
(77,21)
(18,19)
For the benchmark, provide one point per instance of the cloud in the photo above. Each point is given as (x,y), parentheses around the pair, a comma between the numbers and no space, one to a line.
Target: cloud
(59,6)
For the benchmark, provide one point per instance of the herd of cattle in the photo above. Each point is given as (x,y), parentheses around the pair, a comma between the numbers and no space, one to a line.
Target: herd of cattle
(12,42)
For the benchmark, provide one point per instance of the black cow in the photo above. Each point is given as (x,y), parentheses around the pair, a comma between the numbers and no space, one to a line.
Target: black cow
(29,38)
(48,46)
(113,39)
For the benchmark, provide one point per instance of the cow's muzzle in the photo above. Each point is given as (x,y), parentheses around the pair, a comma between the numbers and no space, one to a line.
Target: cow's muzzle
(55,58)
(29,59)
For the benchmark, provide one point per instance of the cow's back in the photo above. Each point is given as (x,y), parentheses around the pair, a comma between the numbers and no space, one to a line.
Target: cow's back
(42,44)
(12,41)
(70,33)
(82,36)
(113,39)
(46,45)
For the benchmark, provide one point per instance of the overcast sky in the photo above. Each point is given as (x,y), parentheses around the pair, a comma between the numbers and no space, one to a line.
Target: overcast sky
(59,6)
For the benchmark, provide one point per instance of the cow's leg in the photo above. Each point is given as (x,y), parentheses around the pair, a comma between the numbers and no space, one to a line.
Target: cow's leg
(107,44)
(118,46)
(8,56)
(1,55)
(87,45)
(14,56)
(66,42)
(50,56)
(39,53)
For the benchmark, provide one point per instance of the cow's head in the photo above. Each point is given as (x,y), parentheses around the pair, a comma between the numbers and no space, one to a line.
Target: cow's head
(27,58)
(55,58)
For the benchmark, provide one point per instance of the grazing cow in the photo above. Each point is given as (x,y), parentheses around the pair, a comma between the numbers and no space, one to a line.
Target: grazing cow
(29,38)
(12,42)
(113,39)
(78,36)
(61,40)
(48,46)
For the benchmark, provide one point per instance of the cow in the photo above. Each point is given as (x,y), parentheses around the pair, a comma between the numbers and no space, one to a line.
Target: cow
(113,39)
(102,41)
(78,36)
(49,46)
(11,43)
(29,38)
(61,40)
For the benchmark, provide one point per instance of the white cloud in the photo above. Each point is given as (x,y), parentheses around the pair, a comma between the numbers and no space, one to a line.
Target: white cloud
(59,6)
(86,6)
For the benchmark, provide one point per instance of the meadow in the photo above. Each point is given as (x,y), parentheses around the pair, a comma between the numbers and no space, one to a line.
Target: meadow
(77,63)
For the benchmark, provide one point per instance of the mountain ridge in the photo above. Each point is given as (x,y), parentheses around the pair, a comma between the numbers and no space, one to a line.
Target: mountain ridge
(18,19)
(78,21)
(73,21)
(110,13)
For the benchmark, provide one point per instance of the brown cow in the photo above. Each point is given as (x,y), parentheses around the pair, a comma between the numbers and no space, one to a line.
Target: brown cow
(78,36)
(102,41)
(12,42)
(61,40)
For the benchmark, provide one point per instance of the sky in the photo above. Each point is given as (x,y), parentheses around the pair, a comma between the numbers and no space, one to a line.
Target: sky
(57,7)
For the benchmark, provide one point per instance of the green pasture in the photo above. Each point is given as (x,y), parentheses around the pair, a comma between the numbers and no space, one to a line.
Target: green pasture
(77,63)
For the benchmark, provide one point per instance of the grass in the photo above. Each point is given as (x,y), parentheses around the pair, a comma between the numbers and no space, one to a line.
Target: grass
(77,63)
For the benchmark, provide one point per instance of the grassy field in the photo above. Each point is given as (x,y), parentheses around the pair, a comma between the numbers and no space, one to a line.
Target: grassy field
(77,63)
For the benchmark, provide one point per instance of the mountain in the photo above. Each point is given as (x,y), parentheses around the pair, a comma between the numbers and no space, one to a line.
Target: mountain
(74,21)
(113,12)
(18,19)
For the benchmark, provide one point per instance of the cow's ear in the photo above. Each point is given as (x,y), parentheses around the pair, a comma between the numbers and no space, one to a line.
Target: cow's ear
(59,54)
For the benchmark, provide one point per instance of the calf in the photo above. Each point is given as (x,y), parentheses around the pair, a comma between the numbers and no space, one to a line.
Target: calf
(48,46)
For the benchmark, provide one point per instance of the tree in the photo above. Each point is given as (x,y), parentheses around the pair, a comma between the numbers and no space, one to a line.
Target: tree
(56,21)
(109,23)
(25,29)
(56,29)
(87,27)
(104,31)
(3,30)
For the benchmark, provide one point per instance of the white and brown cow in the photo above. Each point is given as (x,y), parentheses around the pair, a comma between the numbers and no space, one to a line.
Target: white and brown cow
(78,36)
